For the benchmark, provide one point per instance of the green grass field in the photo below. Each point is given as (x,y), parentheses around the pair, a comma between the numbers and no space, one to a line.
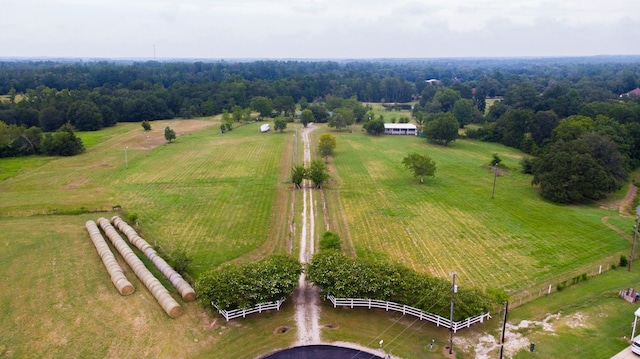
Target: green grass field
(451,224)
(226,197)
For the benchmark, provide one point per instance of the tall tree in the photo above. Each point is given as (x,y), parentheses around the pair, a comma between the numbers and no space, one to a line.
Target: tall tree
(62,143)
(342,117)
(298,174)
(284,104)
(318,173)
(445,99)
(443,128)
(374,127)
(463,111)
(420,165)
(306,117)
(169,134)
(327,144)
(85,116)
(279,124)
(262,105)
(580,170)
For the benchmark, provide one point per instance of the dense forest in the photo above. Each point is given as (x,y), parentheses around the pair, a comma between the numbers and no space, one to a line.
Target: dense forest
(573,115)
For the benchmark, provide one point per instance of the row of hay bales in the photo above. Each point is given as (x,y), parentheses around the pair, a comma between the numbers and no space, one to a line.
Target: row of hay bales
(186,291)
(115,271)
(159,292)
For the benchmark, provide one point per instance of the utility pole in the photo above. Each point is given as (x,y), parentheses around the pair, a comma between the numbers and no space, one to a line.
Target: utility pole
(504,327)
(635,235)
(453,292)
(495,175)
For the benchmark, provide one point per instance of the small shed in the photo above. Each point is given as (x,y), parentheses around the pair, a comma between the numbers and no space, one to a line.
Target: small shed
(400,129)
(265,127)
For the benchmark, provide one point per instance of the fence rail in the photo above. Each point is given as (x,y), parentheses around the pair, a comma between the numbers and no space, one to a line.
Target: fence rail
(258,308)
(405,309)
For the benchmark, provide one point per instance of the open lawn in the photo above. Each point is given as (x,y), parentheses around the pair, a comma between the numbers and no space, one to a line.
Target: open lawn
(226,197)
(216,195)
(451,223)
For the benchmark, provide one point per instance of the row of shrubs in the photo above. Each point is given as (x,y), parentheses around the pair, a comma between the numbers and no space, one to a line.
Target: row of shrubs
(337,275)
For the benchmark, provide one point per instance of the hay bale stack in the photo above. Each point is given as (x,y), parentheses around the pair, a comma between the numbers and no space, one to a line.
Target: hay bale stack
(115,271)
(166,301)
(186,291)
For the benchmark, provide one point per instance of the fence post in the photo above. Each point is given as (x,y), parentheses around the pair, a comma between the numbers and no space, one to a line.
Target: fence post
(549,292)
(351,302)
(600,269)
(369,303)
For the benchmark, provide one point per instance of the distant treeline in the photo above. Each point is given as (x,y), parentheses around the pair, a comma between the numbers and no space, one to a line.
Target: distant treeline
(158,90)
(570,113)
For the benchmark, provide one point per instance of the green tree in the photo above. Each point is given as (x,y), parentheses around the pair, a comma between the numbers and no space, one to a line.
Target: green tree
(298,174)
(374,127)
(318,173)
(227,120)
(236,113)
(284,104)
(443,128)
(444,99)
(51,119)
(341,118)
(169,134)
(581,170)
(306,117)
(304,104)
(146,125)
(262,105)
(246,115)
(420,165)
(326,145)
(85,116)
(280,124)
(572,127)
(463,111)
(62,143)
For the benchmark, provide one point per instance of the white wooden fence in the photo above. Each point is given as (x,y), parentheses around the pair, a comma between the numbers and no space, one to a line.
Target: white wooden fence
(405,309)
(258,308)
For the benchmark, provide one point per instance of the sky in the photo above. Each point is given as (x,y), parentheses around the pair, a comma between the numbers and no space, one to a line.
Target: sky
(317,29)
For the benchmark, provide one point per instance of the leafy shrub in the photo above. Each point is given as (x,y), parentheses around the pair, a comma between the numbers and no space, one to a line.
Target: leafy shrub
(623,261)
(527,165)
(330,240)
(243,286)
(337,275)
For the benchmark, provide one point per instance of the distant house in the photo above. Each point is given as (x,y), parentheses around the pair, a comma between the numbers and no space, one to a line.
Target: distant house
(265,127)
(635,92)
(400,129)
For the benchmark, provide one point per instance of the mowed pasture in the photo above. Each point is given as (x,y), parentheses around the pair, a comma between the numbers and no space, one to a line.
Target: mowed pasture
(451,223)
(212,194)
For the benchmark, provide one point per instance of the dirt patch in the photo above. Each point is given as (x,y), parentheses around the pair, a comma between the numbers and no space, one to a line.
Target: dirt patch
(515,337)
(577,320)
(155,137)
(331,326)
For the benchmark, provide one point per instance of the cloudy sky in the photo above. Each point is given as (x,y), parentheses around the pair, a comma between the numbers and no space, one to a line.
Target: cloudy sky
(317,28)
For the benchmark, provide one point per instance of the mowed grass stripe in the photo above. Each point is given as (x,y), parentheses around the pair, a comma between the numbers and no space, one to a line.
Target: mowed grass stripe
(451,224)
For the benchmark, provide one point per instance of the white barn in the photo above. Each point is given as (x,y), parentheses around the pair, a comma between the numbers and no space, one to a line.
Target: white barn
(400,129)
(265,127)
